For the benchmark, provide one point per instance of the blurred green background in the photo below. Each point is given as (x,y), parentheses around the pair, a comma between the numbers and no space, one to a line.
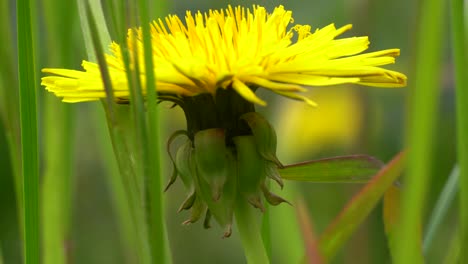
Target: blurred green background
(349,120)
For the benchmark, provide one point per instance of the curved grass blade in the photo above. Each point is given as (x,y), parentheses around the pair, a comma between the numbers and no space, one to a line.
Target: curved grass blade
(343,169)
(120,147)
(391,214)
(359,207)
(446,198)
(310,242)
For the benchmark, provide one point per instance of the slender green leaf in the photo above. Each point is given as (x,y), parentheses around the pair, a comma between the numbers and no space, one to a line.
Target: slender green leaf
(446,198)
(345,169)
(158,235)
(461,78)
(454,250)
(359,207)
(104,36)
(9,101)
(423,104)
(310,242)
(29,144)
(58,122)
(123,188)
(391,214)
(120,148)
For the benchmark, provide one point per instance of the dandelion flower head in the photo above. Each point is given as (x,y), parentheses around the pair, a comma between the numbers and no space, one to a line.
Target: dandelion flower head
(237,48)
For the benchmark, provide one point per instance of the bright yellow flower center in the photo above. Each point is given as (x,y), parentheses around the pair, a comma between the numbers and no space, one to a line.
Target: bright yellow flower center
(237,48)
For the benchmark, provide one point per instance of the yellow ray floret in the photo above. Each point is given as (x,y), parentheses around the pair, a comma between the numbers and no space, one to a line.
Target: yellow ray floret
(236,48)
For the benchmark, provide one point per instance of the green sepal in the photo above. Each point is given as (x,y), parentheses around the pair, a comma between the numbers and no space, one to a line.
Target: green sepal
(185,169)
(251,170)
(265,136)
(211,159)
(196,211)
(183,164)
(188,202)
(271,171)
(207,221)
(168,149)
(272,198)
(223,208)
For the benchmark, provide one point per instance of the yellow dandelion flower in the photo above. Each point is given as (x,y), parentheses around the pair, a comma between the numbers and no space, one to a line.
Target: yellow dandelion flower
(240,49)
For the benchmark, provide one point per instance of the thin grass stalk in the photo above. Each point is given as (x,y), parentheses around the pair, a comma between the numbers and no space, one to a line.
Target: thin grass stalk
(155,201)
(461,80)
(9,113)
(454,250)
(446,198)
(28,120)
(120,148)
(120,198)
(125,190)
(138,126)
(58,126)
(422,115)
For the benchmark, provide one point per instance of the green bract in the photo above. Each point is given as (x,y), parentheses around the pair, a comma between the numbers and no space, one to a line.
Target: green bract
(229,152)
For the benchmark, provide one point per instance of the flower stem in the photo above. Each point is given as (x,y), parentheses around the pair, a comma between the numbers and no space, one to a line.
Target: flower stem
(250,233)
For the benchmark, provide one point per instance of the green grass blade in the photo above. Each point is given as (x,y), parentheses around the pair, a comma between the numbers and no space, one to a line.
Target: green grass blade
(120,148)
(56,189)
(446,198)
(460,57)
(9,101)
(158,235)
(28,119)
(359,207)
(454,250)
(391,214)
(421,124)
(98,16)
(345,169)
(310,242)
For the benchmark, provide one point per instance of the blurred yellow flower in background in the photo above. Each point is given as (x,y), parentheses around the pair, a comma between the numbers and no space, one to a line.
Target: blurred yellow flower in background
(236,48)
(335,123)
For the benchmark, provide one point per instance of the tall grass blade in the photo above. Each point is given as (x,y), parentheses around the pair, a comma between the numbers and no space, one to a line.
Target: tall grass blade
(310,242)
(104,36)
(28,119)
(460,57)
(421,124)
(446,198)
(9,101)
(157,229)
(120,148)
(359,207)
(58,131)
